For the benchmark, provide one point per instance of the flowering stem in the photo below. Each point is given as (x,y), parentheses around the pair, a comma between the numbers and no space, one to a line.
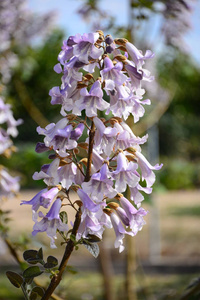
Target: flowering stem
(91,143)
(68,251)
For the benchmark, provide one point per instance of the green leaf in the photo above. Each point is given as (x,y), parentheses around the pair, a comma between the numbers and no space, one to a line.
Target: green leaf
(33,256)
(40,254)
(52,262)
(33,296)
(30,254)
(91,238)
(39,290)
(14,278)
(33,261)
(32,272)
(64,217)
(92,248)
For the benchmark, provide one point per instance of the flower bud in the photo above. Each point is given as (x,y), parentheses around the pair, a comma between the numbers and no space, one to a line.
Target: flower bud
(120,41)
(109,40)
(131,150)
(107,211)
(113,205)
(120,57)
(131,158)
(83,145)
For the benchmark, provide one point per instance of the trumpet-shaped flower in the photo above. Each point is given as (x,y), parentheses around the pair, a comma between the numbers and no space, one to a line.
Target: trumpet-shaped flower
(51,222)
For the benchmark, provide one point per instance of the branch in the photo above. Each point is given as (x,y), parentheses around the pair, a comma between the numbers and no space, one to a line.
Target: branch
(91,143)
(68,251)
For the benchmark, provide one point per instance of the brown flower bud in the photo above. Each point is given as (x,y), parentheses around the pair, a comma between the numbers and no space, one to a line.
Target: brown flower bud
(121,42)
(122,48)
(131,150)
(83,145)
(118,196)
(121,57)
(71,117)
(131,158)
(84,161)
(113,205)
(107,211)
(76,150)
(81,84)
(78,202)
(89,76)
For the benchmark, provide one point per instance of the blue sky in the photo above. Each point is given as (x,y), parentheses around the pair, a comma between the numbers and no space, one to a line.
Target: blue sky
(70,21)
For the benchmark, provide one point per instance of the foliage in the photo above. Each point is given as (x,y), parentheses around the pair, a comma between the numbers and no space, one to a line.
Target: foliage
(180,126)
(31,83)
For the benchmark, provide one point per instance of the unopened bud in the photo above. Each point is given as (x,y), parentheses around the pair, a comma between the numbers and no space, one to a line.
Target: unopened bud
(108,39)
(75,187)
(89,76)
(121,57)
(120,42)
(131,150)
(131,158)
(71,117)
(118,196)
(100,32)
(122,48)
(107,211)
(116,119)
(84,161)
(113,205)
(81,84)
(83,145)
(79,203)
(76,151)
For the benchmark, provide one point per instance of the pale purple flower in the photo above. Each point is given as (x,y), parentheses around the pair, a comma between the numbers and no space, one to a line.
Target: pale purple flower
(77,132)
(66,53)
(49,173)
(9,185)
(125,174)
(87,202)
(67,174)
(5,141)
(135,216)
(51,129)
(51,222)
(43,198)
(40,148)
(97,161)
(93,223)
(104,137)
(92,100)
(119,231)
(137,56)
(146,168)
(100,185)
(85,48)
(71,71)
(114,73)
(62,141)
(136,196)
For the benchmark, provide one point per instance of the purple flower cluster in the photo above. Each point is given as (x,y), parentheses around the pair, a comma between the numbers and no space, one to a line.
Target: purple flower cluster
(8,128)
(96,153)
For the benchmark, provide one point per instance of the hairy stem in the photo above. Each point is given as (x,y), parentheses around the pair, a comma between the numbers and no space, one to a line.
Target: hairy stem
(68,251)
(91,143)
